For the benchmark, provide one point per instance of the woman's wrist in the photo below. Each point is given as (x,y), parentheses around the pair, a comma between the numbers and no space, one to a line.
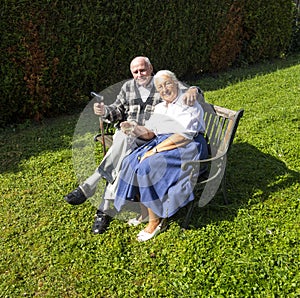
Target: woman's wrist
(155,150)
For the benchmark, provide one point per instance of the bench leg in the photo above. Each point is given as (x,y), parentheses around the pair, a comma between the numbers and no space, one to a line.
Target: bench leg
(224,191)
(188,215)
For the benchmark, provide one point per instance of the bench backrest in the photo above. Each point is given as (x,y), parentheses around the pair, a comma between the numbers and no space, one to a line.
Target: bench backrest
(221,124)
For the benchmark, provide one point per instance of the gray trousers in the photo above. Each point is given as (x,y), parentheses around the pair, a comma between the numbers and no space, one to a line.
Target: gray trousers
(110,166)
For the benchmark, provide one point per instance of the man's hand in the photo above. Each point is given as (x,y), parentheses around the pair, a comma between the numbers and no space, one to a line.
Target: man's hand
(190,96)
(99,109)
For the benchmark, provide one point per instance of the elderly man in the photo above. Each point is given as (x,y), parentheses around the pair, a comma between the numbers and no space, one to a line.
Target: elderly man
(135,102)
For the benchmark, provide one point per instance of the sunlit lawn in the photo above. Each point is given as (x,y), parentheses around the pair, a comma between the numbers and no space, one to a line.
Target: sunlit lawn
(249,248)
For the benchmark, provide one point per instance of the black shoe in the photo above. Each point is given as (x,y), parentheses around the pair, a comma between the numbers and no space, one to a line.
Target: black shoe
(101,223)
(76,197)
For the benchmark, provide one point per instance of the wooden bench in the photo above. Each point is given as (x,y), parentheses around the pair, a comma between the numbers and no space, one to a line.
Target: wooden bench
(221,125)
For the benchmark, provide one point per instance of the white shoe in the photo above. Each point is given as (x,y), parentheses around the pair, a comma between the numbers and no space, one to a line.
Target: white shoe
(144,236)
(136,221)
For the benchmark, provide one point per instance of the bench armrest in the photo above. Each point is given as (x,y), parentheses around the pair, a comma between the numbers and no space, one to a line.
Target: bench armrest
(201,161)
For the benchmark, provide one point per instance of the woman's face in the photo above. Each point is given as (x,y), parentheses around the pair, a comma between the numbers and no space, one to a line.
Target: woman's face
(167,88)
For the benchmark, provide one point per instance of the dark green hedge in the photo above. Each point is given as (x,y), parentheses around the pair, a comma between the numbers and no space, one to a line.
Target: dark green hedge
(53,53)
(295,44)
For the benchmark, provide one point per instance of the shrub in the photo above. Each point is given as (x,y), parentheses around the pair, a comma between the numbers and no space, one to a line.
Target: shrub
(268,28)
(295,44)
(230,39)
(55,52)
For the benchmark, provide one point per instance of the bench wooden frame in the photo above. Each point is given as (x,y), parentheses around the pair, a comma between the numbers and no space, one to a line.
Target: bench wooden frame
(221,125)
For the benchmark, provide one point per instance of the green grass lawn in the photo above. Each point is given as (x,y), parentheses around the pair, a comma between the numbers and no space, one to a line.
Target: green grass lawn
(249,248)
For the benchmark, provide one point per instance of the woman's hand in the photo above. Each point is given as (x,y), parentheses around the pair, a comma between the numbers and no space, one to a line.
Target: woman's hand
(128,127)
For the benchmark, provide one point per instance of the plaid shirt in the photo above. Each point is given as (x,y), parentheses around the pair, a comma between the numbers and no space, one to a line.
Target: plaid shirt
(130,106)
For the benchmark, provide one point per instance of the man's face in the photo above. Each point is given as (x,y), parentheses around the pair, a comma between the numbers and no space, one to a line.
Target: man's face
(167,88)
(141,71)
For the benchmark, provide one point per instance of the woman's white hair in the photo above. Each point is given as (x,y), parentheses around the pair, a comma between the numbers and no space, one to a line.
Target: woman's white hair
(168,73)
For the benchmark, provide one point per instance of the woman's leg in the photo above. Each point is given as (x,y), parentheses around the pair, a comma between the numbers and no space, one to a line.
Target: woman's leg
(144,212)
(154,221)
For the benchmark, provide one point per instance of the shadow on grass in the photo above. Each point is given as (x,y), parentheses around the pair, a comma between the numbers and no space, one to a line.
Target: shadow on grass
(215,81)
(21,142)
(252,177)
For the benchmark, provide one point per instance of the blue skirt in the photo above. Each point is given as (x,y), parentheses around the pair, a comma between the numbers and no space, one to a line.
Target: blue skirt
(159,180)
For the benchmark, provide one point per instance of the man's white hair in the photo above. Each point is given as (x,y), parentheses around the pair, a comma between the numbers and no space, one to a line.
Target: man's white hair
(168,73)
(146,59)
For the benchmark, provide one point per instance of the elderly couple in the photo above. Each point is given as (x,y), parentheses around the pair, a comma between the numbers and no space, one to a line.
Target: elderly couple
(166,121)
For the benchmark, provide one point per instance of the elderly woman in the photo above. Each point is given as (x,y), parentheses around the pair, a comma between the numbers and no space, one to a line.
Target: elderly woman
(152,173)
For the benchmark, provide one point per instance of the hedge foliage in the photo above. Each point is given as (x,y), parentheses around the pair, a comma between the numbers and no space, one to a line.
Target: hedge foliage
(55,52)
